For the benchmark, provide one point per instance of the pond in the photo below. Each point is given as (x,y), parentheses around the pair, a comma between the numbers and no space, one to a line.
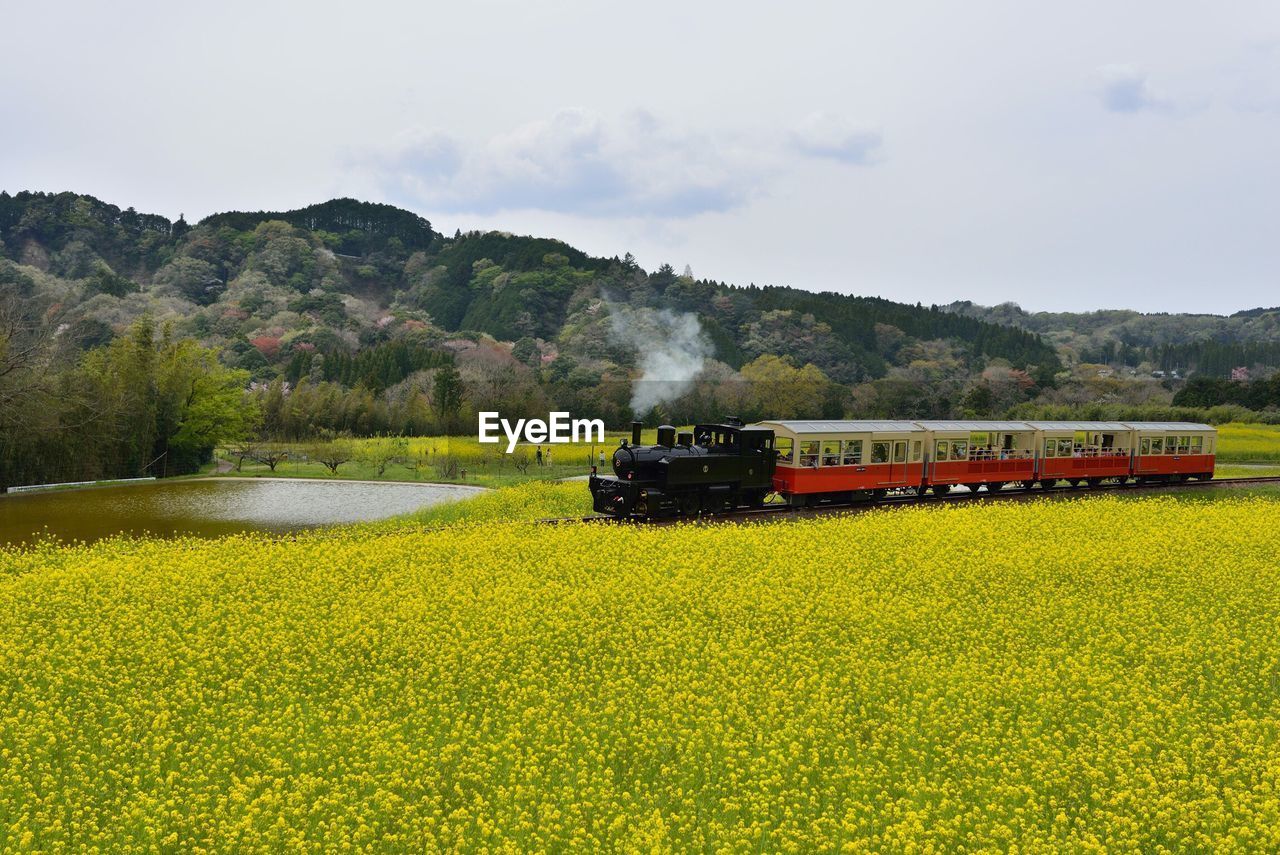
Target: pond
(210,507)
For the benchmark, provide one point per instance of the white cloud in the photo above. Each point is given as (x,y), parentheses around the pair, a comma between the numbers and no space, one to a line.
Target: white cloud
(576,162)
(827,135)
(1125,89)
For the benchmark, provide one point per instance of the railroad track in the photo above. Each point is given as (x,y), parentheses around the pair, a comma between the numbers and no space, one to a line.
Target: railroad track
(781,511)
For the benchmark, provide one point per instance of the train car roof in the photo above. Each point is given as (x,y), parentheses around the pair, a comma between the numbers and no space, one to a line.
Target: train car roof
(1090,426)
(846,426)
(1170,426)
(975,426)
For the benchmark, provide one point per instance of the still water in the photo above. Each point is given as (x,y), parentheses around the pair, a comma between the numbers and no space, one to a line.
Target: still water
(210,508)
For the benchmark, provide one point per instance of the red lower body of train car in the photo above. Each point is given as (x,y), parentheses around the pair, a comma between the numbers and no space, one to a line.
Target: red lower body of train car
(843,479)
(1084,468)
(1165,466)
(994,471)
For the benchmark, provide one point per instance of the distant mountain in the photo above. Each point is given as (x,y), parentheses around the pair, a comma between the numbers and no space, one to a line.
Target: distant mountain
(342,277)
(1203,343)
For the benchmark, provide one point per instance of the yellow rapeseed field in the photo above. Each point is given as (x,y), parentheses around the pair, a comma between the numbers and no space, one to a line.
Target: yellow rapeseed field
(1083,675)
(1249,442)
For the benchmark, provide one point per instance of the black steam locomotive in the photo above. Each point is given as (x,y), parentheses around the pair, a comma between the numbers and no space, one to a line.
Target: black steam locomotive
(711,469)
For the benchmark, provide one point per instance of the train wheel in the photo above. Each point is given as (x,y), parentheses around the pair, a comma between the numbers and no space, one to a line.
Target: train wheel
(1075,482)
(1095,483)
(973,488)
(1047,484)
(1028,484)
(995,486)
(941,489)
(1122,480)
(879,494)
(689,505)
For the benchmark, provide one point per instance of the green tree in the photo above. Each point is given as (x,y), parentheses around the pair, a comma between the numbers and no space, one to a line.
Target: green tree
(447,395)
(782,391)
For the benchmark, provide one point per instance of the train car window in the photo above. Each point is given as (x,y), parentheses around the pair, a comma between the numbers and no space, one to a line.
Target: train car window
(831,452)
(1145,447)
(899,452)
(959,450)
(915,451)
(852,452)
(940,450)
(1050,448)
(809,452)
(879,452)
(1197,445)
(1184,445)
(1157,445)
(1170,445)
(785,448)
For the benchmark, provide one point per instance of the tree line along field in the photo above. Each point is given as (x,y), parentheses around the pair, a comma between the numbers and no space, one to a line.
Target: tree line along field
(446,458)
(1093,674)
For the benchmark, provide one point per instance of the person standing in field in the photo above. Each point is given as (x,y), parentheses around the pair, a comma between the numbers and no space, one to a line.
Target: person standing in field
(538,457)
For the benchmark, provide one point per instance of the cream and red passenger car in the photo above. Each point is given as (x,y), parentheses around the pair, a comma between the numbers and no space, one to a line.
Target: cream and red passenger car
(976,453)
(1082,451)
(842,460)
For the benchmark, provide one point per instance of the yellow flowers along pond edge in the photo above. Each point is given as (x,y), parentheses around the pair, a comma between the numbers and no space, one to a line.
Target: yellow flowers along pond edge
(1094,674)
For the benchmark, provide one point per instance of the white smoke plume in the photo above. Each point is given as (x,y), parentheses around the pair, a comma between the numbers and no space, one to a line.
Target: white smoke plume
(671,350)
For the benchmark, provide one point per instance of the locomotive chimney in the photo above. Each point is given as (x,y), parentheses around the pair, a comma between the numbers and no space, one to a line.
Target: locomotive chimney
(635,433)
(666,435)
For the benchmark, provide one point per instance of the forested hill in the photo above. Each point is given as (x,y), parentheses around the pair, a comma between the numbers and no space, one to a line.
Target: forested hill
(349,227)
(1186,343)
(366,297)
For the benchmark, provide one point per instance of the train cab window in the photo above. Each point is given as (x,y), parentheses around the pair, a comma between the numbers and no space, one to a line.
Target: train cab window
(786,447)
(831,452)
(1145,446)
(852,452)
(1157,445)
(809,453)
(879,452)
(1050,448)
(959,450)
(916,448)
(899,452)
(940,450)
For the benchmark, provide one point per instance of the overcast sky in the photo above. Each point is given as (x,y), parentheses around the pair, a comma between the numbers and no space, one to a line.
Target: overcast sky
(1067,157)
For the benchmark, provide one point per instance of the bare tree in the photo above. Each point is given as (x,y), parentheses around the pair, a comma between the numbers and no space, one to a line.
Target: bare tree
(271,456)
(331,455)
(243,452)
